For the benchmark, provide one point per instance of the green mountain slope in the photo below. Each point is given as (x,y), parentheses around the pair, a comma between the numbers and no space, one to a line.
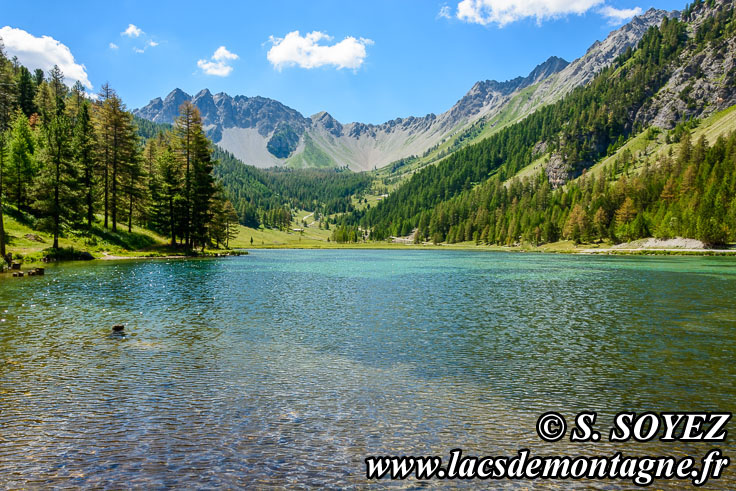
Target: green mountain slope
(590,124)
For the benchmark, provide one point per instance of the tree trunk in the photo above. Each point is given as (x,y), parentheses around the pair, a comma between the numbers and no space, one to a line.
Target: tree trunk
(57,211)
(187,229)
(114,205)
(2,223)
(18,190)
(106,188)
(88,184)
(130,206)
(171,221)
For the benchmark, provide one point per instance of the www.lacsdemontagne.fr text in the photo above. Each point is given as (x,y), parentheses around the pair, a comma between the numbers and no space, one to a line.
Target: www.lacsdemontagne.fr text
(640,470)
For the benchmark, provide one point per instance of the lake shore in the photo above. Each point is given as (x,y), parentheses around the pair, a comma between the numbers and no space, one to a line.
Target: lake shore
(643,247)
(561,247)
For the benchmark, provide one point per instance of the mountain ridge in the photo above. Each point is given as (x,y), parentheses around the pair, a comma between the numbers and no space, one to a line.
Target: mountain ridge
(264,132)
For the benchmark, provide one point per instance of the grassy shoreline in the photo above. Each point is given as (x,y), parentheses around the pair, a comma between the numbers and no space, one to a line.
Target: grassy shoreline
(554,248)
(30,246)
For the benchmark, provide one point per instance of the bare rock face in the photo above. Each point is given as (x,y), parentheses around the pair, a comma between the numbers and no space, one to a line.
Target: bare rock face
(558,171)
(485,94)
(600,55)
(330,124)
(539,149)
(702,83)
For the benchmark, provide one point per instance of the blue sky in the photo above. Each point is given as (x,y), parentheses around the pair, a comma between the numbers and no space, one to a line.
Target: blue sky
(367,61)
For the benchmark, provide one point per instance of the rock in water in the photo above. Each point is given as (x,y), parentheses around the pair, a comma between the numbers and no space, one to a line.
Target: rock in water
(118,328)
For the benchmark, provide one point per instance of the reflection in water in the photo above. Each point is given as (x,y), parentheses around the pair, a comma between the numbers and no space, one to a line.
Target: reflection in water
(287,367)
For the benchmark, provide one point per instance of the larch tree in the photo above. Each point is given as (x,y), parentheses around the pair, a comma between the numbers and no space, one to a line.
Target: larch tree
(170,189)
(102,124)
(26,91)
(202,189)
(3,159)
(118,149)
(185,129)
(21,160)
(7,92)
(56,184)
(84,150)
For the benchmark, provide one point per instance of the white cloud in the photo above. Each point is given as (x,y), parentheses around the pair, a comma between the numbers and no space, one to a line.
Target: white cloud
(132,31)
(618,16)
(445,12)
(152,44)
(43,52)
(222,54)
(502,12)
(113,46)
(139,50)
(218,64)
(306,52)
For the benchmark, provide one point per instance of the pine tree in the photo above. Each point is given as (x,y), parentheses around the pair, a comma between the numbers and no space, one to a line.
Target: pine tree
(169,175)
(231,223)
(21,161)
(45,101)
(3,159)
(203,189)
(26,92)
(38,77)
(102,117)
(118,148)
(57,185)
(7,90)
(185,129)
(84,149)
(134,186)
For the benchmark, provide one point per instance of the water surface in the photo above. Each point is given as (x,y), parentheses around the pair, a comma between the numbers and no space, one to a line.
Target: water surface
(290,367)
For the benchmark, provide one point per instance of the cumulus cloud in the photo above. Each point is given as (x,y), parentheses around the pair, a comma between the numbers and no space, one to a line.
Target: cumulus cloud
(307,52)
(113,46)
(502,12)
(218,65)
(445,12)
(132,31)
(152,44)
(222,54)
(618,16)
(43,52)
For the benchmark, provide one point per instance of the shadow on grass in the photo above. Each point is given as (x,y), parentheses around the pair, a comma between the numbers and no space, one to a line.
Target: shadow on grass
(20,216)
(67,254)
(124,239)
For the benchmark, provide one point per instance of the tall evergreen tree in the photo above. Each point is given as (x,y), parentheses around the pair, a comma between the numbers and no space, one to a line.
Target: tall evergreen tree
(26,91)
(21,161)
(3,159)
(7,89)
(118,149)
(169,175)
(57,185)
(84,149)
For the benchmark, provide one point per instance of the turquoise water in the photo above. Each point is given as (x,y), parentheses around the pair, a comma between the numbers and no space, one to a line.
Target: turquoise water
(290,367)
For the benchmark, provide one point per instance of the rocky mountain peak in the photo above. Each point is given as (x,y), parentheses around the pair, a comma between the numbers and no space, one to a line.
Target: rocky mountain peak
(265,132)
(552,65)
(490,92)
(324,119)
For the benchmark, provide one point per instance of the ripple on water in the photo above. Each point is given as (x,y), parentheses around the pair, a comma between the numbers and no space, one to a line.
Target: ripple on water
(290,367)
